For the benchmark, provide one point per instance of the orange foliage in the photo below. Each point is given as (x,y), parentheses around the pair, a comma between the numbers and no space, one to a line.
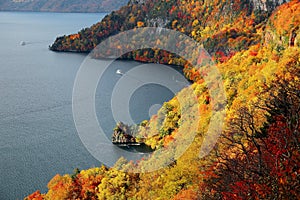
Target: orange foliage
(74,36)
(169,138)
(287,17)
(35,196)
(255,158)
(186,195)
(140,24)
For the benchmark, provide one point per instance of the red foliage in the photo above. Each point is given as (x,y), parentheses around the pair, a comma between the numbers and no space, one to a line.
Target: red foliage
(253,53)
(35,196)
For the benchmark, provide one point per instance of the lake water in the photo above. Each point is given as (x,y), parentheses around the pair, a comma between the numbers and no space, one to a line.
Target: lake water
(38,135)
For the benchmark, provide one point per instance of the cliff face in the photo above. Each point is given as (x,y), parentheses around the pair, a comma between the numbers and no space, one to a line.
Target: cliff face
(62,6)
(267,5)
(122,135)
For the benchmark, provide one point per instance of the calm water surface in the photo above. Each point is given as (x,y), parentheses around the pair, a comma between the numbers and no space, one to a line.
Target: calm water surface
(38,135)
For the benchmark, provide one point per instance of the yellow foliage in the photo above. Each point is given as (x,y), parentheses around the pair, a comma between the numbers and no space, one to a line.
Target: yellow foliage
(245,75)
(195,22)
(113,185)
(193,33)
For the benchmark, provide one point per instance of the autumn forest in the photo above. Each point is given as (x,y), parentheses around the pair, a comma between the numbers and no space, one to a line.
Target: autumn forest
(255,45)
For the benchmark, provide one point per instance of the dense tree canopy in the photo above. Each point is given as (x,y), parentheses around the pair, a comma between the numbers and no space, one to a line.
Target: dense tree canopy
(258,154)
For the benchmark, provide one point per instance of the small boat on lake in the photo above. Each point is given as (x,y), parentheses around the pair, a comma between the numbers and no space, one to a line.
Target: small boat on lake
(119,72)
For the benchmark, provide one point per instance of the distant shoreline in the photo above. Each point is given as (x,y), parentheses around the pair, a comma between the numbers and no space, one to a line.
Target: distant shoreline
(67,6)
(67,12)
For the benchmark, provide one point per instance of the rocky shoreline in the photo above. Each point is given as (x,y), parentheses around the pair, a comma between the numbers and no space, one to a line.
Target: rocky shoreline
(123,136)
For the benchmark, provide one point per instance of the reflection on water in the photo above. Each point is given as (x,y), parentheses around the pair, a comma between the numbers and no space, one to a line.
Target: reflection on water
(142,148)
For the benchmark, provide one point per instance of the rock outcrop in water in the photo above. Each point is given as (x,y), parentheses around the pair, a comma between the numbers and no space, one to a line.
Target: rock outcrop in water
(122,135)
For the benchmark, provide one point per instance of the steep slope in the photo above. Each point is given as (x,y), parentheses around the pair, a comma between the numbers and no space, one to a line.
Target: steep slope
(223,27)
(62,6)
(200,19)
(257,155)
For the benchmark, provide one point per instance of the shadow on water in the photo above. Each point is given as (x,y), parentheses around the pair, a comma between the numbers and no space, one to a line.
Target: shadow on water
(140,148)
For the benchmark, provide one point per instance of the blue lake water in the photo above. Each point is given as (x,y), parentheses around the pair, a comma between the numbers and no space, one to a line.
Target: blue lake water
(37,131)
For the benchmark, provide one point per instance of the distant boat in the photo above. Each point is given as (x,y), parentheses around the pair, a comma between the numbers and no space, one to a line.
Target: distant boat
(119,72)
(22,43)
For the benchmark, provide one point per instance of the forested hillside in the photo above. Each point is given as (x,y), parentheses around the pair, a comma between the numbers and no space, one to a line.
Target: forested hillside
(62,5)
(256,47)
